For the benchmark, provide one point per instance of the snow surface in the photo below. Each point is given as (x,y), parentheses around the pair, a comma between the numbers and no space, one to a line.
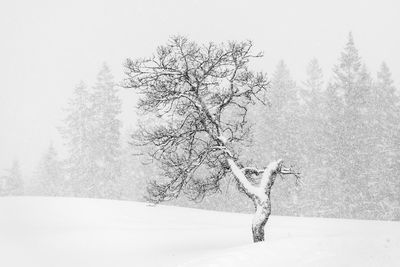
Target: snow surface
(38,231)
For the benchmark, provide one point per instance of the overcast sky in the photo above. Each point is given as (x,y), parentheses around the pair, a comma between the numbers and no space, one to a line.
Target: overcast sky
(47,47)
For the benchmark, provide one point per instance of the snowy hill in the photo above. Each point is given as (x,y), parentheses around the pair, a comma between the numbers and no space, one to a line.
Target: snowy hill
(54,232)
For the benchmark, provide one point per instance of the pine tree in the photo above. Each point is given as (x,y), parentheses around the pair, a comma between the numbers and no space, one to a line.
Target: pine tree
(349,93)
(77,131)
(385,187)
(106,107)
(313,95)
(313,86)
(92,132)
(284,93)
(315,189)
(286,111)
(332,153)
(50,174)
(12,183)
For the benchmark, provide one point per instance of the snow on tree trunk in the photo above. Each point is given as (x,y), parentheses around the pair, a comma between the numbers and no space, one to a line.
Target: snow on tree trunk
(263,210)
(259,194)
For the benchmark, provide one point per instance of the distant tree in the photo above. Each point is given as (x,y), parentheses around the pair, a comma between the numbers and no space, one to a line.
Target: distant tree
(348,130)
(333,156)
(317,185)
(105,109)
(92,133)
(313,90)
(385,132)
(197,97)
(77,132)
(11,183)
(284,114)
(50,174)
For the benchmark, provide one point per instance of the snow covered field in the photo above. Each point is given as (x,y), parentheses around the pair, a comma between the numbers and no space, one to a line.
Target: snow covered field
(36,231)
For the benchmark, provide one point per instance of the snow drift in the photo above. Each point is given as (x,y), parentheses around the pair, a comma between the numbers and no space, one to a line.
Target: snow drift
(38,231)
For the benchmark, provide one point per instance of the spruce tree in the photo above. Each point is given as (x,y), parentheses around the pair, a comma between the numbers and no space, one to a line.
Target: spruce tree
(333,158)
(106,107)
(348,98)
(92,132)
(385,115)
(313,86)
(11,184)
(315,189)
(313,110)
(77,131)
(50,174)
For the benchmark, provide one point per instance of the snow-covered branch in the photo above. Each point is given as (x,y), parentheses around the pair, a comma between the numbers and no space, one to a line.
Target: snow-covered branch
(241,178)
(269,174)
(290,171)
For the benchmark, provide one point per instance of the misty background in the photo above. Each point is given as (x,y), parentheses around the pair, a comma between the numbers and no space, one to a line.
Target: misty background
(47,48)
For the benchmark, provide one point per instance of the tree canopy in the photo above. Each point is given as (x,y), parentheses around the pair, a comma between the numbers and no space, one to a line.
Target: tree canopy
(201,95)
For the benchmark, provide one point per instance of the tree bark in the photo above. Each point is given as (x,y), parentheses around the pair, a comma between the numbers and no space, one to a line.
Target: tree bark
(263,211)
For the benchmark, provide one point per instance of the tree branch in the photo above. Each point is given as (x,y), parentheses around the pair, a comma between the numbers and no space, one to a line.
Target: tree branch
(250,189)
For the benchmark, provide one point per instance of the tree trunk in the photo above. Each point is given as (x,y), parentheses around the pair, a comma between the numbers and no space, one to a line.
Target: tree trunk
(259,194)
(263,210)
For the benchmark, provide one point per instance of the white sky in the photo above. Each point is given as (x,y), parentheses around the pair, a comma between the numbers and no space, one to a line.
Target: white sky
(47,47)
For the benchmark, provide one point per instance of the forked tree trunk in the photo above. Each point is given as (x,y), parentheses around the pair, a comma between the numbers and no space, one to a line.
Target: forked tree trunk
(259,194)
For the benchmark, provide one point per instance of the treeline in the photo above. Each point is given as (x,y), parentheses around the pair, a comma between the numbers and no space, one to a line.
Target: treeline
(343,134)
(340,129)
(97,164)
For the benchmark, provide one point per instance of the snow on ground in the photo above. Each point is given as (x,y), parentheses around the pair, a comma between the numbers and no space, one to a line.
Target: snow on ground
(38,231)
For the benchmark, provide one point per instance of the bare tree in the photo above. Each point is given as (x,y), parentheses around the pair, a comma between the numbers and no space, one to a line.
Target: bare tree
(201,95)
